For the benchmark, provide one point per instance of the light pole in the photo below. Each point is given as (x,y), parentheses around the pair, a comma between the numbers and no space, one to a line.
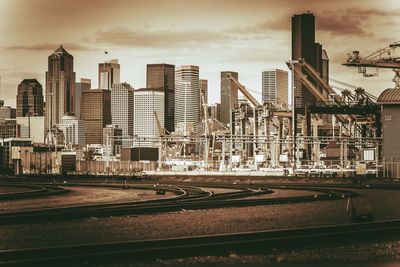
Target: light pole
(184,109)
(291,63)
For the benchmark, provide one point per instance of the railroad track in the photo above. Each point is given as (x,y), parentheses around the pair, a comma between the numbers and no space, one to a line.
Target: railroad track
(34,191)
(223,244)
(190,197)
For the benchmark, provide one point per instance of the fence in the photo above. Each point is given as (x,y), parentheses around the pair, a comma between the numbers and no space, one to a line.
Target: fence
(390,169)
(116,167)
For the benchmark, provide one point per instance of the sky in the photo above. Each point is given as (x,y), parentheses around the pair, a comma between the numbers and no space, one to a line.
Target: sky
(247,36)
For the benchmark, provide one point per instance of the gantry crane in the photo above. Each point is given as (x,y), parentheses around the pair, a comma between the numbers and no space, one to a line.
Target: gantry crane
(162,131)
(382,58)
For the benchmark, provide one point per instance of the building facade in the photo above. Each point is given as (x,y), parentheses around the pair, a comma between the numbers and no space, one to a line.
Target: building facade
(163,76)
(84,84)
(29,98)
(275,86)
(214,111)
(122,107)
(111,146)
(6,113)
(187,97)
(96,112)
(149,103)
(74,130)
(109,74)
(204,93)
(229,96)
(60,86)
(32,127)
(9,129)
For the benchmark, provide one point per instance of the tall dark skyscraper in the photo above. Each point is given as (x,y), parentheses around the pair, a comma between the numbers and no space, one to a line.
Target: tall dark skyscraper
(305,47)
(60,86)
(229,96)
(29,98)
(163,76)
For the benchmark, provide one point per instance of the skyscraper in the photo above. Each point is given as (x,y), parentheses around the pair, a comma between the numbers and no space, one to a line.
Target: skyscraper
(148,101)
(85,84)
(60,86)
(187,97)
(229,96)
(163,76)
(305,47)
(29,98)
(122,107)
(109,74)
(96,112)
(275,86)
(204,92)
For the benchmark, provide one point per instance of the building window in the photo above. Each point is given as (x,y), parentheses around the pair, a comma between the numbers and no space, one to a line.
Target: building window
(388,117)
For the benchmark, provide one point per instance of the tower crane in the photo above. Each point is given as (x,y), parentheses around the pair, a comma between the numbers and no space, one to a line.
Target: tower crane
(382,58)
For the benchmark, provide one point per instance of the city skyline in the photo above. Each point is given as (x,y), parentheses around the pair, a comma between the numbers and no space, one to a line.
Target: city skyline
(246,37)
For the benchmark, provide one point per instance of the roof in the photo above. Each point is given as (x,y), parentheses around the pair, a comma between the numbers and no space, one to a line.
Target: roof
(61,50)
(389,96)
(324,55)
(150,89)
(29,81)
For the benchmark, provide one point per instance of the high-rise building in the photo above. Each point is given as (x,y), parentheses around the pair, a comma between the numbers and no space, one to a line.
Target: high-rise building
(29,98)
(74,130)
(275,86)
(214,111)
(109,74)
(305,47)
(187,97)
(60,86)
(122,107)
(229,96)
(204,92)
(149,103)
(204,89)
(96,112)
(84,84)
(163,76)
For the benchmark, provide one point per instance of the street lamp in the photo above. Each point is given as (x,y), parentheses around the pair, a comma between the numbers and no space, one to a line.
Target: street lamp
(184,110)
(292,63)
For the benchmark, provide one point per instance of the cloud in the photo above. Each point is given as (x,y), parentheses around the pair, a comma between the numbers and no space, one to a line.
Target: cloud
(352,21)
(276,24)
(162,38)
(344,22)
(48,47)
(341,25)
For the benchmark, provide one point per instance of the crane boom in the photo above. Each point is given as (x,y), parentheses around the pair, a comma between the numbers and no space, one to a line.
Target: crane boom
(381,59)
(162,131)
(244,91)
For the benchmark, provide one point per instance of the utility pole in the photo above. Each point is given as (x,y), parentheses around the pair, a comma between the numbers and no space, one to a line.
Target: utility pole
(292,62)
